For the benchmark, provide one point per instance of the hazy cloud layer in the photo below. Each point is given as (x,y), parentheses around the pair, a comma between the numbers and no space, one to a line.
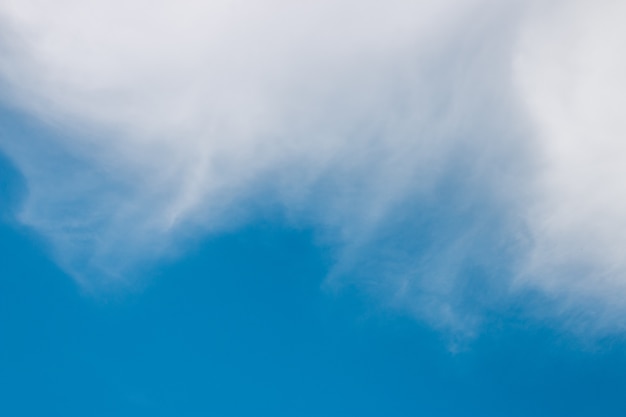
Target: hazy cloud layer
(455,154)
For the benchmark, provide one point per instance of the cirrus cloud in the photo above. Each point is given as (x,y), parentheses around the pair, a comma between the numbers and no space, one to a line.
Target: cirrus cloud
(454,153)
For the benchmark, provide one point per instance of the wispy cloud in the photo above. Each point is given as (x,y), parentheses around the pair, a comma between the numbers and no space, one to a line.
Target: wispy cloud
(455,153)
(571,81)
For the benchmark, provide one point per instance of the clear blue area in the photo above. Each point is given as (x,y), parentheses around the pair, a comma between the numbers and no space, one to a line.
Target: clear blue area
(243,327)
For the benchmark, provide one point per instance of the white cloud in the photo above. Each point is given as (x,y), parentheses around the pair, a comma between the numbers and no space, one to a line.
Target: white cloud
(435,141)
(571,78)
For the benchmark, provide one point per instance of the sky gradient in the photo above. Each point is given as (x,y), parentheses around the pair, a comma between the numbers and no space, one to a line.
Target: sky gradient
(334,207)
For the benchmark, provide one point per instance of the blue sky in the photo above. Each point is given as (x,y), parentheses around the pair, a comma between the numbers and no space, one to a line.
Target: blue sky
(243,324)
(333,207)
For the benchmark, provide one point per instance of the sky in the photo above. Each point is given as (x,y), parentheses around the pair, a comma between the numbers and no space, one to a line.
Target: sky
(322,208)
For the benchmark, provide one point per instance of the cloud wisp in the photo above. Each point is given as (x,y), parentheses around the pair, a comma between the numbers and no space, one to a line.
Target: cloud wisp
(455,153)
